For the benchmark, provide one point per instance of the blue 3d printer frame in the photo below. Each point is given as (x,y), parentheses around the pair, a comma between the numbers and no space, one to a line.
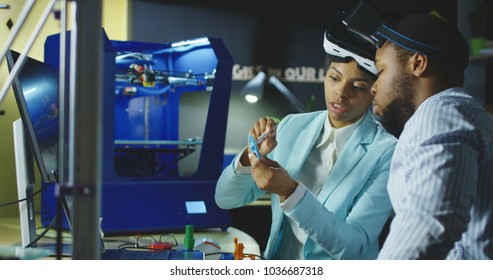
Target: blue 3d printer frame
(156,198)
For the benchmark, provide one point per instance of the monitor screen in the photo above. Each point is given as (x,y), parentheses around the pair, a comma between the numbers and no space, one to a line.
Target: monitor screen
(36,92)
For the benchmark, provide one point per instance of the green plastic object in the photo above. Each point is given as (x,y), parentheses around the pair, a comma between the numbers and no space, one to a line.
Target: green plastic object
(189,240)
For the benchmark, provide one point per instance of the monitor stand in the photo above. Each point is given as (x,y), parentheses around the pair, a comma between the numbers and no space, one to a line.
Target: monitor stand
(25,184)
(24,168)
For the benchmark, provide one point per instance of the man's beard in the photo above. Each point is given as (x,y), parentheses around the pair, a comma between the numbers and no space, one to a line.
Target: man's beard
(401,109)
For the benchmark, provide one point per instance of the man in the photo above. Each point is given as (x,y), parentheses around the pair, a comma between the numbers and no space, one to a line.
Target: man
(441,177)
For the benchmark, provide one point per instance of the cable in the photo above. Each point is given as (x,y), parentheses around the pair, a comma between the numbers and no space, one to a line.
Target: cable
(49,227)
(24,199)
(41,235)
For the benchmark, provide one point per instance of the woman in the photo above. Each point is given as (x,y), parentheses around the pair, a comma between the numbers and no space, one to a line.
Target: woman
(326,171)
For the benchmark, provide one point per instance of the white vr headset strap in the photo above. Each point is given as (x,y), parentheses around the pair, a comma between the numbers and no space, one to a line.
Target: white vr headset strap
(335,50)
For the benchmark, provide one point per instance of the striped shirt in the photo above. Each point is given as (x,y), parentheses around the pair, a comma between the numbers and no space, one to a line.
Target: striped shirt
(441,182)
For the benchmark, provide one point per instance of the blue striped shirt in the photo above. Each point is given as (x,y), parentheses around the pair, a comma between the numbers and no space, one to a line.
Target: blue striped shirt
(441,182)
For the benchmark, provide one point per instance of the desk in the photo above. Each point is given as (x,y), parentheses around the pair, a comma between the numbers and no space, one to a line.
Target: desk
(10,235)
(10,231)
(224,238)
(258,228)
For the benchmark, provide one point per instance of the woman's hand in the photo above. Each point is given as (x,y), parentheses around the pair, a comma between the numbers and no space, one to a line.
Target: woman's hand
(272,177)
(263,125)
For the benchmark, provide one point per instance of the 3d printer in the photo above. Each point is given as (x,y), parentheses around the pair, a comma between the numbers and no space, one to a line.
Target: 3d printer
(152,93)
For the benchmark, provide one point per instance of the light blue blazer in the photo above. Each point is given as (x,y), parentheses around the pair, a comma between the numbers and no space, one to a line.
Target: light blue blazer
(344,221)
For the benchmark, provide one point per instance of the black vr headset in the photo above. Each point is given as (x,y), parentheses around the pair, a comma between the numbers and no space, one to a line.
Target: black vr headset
(340,44)
(365,21)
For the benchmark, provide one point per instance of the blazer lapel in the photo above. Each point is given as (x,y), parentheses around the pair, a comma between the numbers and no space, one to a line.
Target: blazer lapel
(304,143)
(302,146)
(353,152)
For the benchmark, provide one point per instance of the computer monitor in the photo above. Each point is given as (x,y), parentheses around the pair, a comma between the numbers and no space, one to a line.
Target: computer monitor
(36,94)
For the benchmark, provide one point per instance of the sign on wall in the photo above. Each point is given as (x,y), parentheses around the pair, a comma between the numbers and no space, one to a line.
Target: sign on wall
(302,74)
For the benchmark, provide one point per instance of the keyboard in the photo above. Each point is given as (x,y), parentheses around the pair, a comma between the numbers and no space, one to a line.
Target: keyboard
(124,254)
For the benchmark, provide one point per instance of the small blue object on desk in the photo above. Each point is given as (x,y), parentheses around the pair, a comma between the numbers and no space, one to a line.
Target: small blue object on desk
(227,256)
(186,255)
(189,243)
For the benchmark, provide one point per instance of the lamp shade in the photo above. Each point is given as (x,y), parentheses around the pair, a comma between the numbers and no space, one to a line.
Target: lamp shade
(254,89)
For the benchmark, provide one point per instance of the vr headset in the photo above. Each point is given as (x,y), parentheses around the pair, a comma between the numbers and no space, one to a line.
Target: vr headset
(340,44)
(365,21)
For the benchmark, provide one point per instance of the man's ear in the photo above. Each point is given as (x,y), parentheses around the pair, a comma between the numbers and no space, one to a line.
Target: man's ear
(419,64)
